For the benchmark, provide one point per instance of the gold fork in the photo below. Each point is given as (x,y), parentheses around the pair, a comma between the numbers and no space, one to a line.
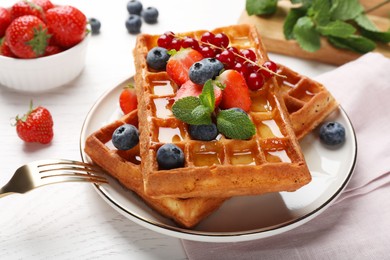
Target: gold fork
(43,172)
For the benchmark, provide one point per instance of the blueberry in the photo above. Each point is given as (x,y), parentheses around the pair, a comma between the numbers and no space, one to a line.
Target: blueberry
(170,156)
(150,15)
(203,132)
(125,137)
(204,70)
(95,25)
(133,24)
(332,133)
(157,58)
(134,7)
(238,110)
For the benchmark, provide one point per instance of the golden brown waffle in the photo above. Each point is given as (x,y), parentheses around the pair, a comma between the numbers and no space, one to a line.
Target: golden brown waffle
(308,102)
(125,167)
(271,161)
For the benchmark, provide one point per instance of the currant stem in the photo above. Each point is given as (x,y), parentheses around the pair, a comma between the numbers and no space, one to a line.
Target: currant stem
(261,67)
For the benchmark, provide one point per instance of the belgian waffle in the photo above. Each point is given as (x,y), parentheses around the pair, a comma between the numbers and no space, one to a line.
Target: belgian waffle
(125,167)
(271,161)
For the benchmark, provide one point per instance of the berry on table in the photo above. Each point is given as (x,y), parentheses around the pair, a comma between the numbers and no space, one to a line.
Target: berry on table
(204,70)
(125,137)
(150,15)
(133,24)
(157,58)
(27,37)
(95,25)
(203,132)
(170,156)
(36,126)
(332,133)
(134,7)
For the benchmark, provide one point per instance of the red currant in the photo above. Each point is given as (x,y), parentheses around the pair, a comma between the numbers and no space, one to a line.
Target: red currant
(189,42)
(271,66)
(221,40)
(207,37)
(227,58)
(255,81)
(233,49)
(164,41)
(176,44)
(247,53)
(207,51)
(242,69)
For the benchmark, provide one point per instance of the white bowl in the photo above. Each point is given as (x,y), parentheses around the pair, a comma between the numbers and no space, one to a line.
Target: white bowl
(40,74)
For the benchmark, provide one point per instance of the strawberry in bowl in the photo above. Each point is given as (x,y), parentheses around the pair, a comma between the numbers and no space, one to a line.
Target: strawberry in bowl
(47,42)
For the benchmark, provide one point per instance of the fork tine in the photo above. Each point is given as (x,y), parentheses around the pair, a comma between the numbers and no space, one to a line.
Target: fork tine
(72,177)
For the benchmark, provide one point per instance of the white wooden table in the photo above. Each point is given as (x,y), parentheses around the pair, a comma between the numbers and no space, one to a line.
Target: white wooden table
(71,221)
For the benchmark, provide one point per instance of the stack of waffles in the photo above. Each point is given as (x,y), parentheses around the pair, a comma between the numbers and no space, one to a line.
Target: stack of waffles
(284,110)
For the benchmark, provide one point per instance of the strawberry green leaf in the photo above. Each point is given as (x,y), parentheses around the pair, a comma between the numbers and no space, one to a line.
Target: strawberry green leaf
(306,35)
(235,124)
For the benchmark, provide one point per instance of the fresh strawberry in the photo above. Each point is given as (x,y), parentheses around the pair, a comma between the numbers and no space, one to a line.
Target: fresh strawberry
(128,100)
(44,4)
(189,88)
(52,49)
(236,92)
(179,64)
(36,126)
(5,20)
(67,24)
(27,37)
(5,50)
(25,7)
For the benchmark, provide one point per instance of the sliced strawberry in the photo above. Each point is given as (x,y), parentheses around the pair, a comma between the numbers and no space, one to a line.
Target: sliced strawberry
(236,92)
(128,100)
(190,89)
(179,64)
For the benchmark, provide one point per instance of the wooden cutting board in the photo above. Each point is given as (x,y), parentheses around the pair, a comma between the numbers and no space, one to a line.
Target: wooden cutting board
(271,30)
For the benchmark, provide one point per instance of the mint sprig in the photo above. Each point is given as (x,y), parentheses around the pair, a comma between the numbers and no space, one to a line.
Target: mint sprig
(343,22)
(199,111)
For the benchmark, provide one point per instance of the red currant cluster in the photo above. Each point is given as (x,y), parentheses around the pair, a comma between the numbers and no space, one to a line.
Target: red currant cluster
(217,46)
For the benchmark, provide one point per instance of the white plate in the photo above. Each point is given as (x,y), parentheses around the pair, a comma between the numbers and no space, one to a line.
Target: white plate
(240,218)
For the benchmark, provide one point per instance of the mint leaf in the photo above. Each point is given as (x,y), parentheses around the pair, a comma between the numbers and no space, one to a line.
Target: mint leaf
(355,43)
(182,108)
(306,35)
(290,21)
(337,28)
(207,98)
(320,11)
(235,124)
(345,9)
(201,115)
(261,7)
(369,30)
(365,23)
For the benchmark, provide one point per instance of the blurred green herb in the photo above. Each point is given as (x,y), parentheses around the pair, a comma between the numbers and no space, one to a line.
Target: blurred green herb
(343,22)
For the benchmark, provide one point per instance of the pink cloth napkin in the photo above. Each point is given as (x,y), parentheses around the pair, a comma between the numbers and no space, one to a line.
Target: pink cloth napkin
(357,225)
